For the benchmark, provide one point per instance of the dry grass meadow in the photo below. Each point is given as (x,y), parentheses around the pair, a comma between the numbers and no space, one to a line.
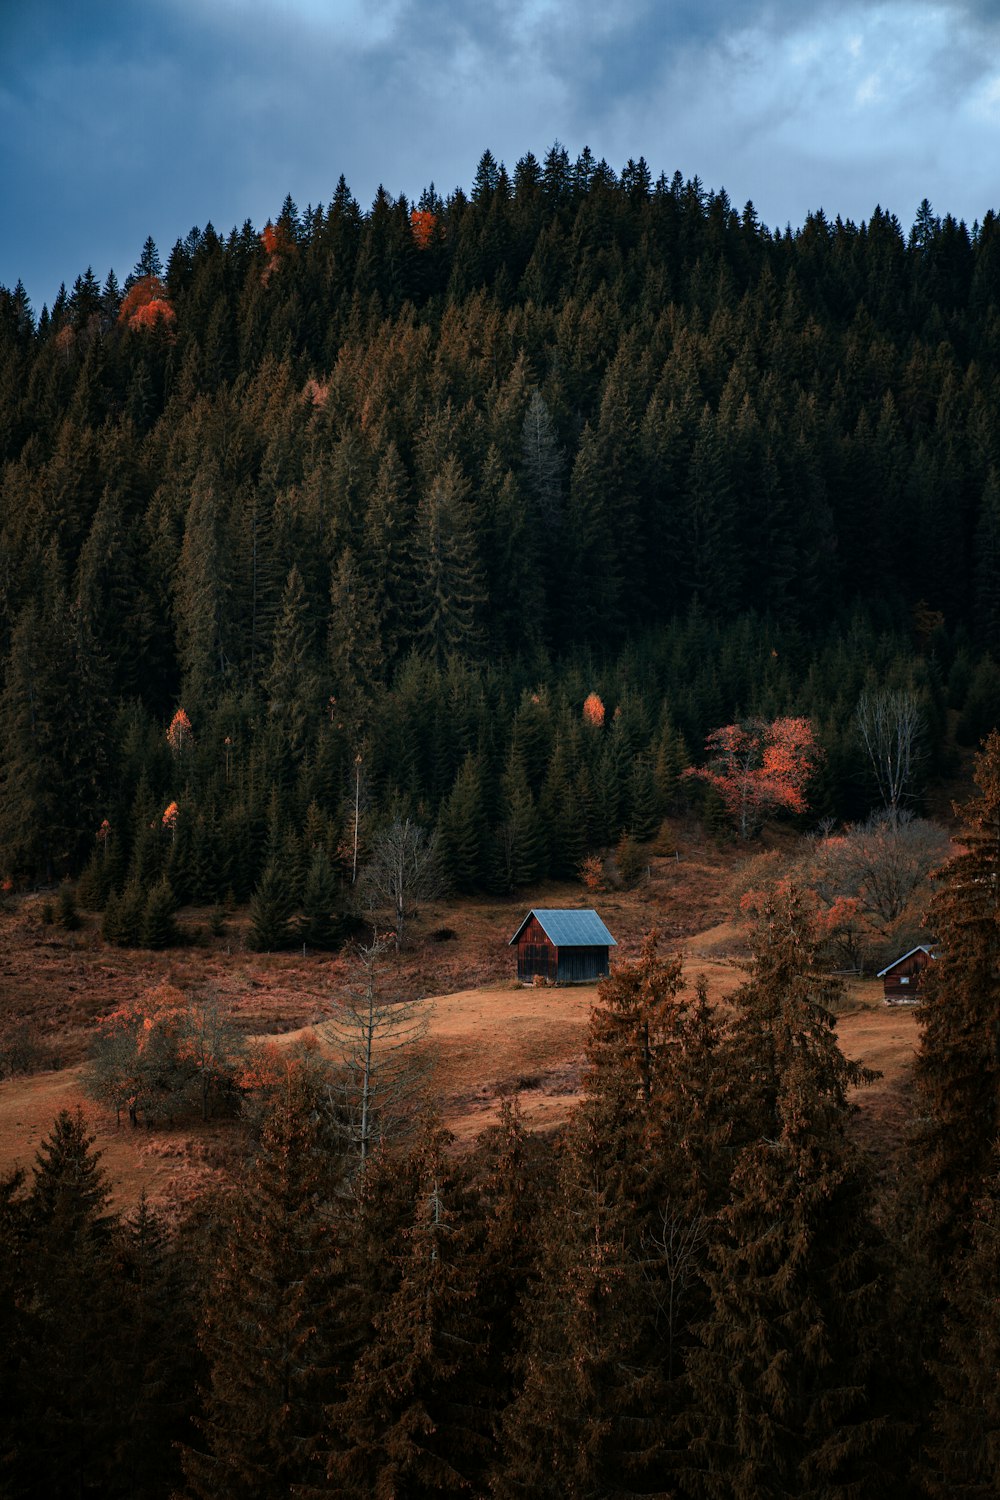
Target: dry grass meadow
(487,1037)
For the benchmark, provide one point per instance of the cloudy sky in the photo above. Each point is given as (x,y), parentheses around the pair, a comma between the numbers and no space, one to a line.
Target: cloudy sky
(124,118)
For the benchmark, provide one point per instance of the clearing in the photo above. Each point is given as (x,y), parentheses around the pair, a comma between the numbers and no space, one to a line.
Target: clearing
(487,1038)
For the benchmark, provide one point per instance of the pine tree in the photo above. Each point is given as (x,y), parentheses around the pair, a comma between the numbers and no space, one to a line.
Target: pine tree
(518,836)
(606,1320)
(463,832)
(357,660)
(987,554)
(271,908)
(321,924)
(201,596)
(157,1377)
(964,1450)
(542,463)
(409,1423)
(268,1319)
(157,928)
(958,1062)
(446,583)
(292,682)
(786,1386)
(68,1380)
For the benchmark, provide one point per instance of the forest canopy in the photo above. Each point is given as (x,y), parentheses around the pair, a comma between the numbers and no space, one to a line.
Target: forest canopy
(399,489)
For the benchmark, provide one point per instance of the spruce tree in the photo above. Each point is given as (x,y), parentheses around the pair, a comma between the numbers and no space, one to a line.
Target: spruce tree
(786,1389)
(964,1448)
(70,1418)
(601,1395)
(157,929)
(321,925)
(958,1062)
(446,582)
(409,1422)
(271,911)
(267,1327)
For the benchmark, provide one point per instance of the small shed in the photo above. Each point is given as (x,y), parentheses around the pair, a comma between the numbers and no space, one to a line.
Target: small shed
(901,979)
(562,946)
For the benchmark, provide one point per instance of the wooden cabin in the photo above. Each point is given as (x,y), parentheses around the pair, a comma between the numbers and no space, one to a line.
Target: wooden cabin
(562,946)
(901,979)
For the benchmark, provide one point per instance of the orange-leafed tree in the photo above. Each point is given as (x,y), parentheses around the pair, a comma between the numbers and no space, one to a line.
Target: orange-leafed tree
(146,303)
(163,1053)
(179,734)
(422,225)
(593,711)
(759,768)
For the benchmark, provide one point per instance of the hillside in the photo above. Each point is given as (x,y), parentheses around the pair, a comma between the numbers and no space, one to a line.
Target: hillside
(486,1038)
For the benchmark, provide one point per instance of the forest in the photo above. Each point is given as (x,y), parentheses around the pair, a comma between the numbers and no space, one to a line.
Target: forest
(373,501)
(487,532)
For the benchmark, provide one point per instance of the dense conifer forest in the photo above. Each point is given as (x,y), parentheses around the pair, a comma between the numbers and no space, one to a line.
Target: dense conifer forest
(465,524)
(377,499)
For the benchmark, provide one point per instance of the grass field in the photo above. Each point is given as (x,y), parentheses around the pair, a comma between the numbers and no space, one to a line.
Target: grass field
(486,1037)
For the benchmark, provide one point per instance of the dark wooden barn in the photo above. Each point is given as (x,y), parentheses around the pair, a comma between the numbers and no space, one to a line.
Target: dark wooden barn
(564,947)
(901,979)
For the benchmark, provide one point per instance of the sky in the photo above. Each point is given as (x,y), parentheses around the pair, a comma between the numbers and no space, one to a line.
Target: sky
(121,119)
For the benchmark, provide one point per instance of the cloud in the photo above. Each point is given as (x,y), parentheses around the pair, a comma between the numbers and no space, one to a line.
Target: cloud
(119,120)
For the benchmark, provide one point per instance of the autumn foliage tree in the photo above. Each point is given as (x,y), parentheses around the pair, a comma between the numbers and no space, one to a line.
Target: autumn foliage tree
(145,304)
(759,768)
(161,1053)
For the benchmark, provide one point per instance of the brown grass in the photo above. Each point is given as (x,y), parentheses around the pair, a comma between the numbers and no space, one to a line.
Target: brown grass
(487,1038)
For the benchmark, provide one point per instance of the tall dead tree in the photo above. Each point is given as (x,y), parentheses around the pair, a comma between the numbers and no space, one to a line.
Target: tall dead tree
(890,723)
(403,870)
(382,1072)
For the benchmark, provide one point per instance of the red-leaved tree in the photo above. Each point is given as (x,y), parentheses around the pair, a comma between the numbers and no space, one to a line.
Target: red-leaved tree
(759,768)
(145,304)
(422,226)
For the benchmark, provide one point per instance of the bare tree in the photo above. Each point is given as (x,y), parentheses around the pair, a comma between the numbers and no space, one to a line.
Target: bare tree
(887,860)
(890,722)
(676,1263)
(382,1075)
(403,870)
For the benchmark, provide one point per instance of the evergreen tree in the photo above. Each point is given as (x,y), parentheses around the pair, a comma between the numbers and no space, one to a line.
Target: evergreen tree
(68,1422)
(271,908)
(964,1448)
(292,682)
(958,1062)
(321,925)
(445,570)
(157,928)
(463,831)
(408,1423)
(268,1320)
(542,463)
(157,1379)
(785,1386)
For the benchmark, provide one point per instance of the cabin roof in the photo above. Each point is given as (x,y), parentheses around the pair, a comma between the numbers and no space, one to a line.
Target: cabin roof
(569,929)
(920,948)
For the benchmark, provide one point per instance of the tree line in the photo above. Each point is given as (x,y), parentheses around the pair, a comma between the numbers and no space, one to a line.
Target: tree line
(703,1287)
(365,483)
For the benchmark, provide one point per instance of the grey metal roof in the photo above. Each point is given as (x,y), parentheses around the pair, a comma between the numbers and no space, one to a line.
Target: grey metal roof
(920,948)
(569,929)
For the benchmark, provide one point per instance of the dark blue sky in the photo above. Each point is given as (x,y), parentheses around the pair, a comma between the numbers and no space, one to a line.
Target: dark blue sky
(119,120)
